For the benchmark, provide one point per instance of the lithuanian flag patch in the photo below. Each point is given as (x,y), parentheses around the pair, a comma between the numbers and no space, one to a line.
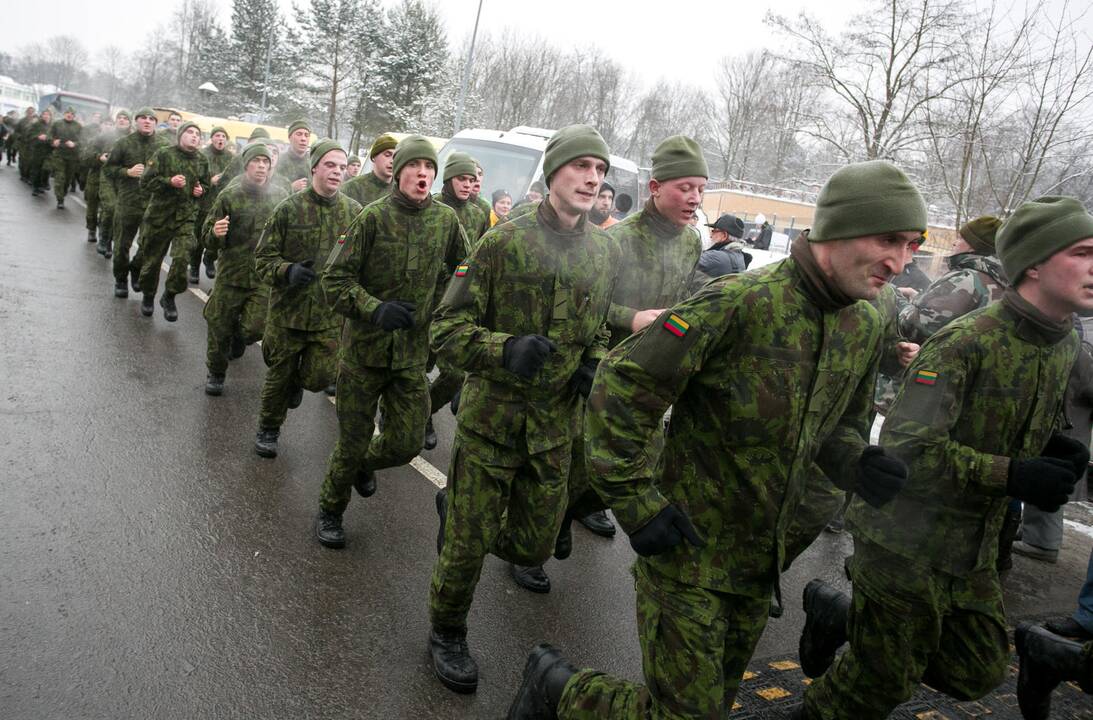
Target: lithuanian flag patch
(676,325)
(926,377)
(462,270)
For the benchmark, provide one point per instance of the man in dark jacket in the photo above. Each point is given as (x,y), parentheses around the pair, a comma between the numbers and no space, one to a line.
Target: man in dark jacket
(726,256)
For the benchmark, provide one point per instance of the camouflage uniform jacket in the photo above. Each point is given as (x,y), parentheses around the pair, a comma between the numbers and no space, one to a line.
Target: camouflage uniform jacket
(393,250)
(526,277)
(66,130)
(166,203)
(890,376)
(96,145)
(658,262)
(973,281)
(986,388)
(218,163)
(22,133)
(770,379)
(132,149)
(365,189)
(292,167)
(304,226)
(470,216)
(34,145)
(248,208)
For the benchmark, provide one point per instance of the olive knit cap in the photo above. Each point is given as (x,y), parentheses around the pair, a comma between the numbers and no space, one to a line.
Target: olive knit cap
(256,150)
(1038,229)
(258,132)
(145,112)
(184,127)
(322,148)
(676,157)
(297,125)
(217,129)
(867,198)
(459,163)
(383,142)
(413,147)
(980,233)
(353,160)
(122,113)
(570,143)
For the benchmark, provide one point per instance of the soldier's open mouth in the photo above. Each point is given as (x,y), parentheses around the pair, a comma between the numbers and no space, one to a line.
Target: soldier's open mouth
(422,185)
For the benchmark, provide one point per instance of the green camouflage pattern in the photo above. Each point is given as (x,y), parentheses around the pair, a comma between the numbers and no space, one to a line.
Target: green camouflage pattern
(405,395)
(365,189)
(766,389)
(218,161)
(293,167)
(248,209)
(168,223)
(94,146)
(997,395)
(304,226)
(23,142)
(470,216)
(40,152)
(233,311)
(889,303)
(695,647)
(658,265)
(132,197)
(294,358)
(392,250)
(973,281)
(909,624)
(66,160)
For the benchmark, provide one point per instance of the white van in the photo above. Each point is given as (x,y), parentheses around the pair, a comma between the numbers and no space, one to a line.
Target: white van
(513,160)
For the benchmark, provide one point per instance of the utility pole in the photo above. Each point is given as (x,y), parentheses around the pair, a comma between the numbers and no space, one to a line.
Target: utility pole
(466,74)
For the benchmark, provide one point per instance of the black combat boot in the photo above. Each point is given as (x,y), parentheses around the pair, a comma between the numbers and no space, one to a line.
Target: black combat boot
(210,269)
(148,305)
(442,513)
(546,674)
(826,611)
(598,523)
(452,661)
(192,272)
(61,204)
(331,390)
(214,385)
(265,444)
(167,302)
(295,397)
(91,237)
(328,529)
(1068,627)
(121,289)
(430,435)
(563,544)
(1011,524)
(365,483)
(134,278)
(532,578)
(238,346)
(1046,661)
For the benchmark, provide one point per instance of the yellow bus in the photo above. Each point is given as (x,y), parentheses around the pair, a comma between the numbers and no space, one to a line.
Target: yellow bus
(239,131)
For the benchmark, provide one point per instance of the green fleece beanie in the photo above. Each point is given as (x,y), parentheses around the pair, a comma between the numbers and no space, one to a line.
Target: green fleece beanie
(570,143)
(297,125)
(258,133)
(256,150)
(980,233)
(353,160)
(122,113)
(678,156)
(184,127)
(218,129)
(459,163)
(867,198)
(383,142)
(414,147)
(322,148)
(1038,229)
(145,112)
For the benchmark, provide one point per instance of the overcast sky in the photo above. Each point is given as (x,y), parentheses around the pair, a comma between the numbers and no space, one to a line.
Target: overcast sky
(680,40)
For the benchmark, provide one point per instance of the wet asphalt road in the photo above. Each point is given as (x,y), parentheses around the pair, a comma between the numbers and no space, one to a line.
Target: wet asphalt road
(151,566)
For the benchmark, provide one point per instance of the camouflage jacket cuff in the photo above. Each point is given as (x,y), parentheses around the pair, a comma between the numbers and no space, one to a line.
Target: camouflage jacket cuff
(620,316)
(366,304)
(636,511)
(995,475)
(282,272)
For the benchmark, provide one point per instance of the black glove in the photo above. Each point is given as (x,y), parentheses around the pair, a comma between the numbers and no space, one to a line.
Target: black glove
(1045,482)
(1073,451)
(300,274)
(880,476)
(668,528)
(525,355)
(454,404)
(394,315)
(581,380)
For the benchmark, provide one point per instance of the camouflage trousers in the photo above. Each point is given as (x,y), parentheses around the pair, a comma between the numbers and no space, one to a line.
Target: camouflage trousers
(39,168)
(233,311)
(126,225)
(157,238)
(820,503)
(197,244)
(443,389)
(24,163)
(405,396)
(910,624)
(107,204)
(91,199)
(501,500)
(695,647)
(294,358)
(65,168)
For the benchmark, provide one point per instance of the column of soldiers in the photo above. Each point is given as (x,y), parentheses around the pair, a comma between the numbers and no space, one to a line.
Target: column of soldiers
(568,346)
